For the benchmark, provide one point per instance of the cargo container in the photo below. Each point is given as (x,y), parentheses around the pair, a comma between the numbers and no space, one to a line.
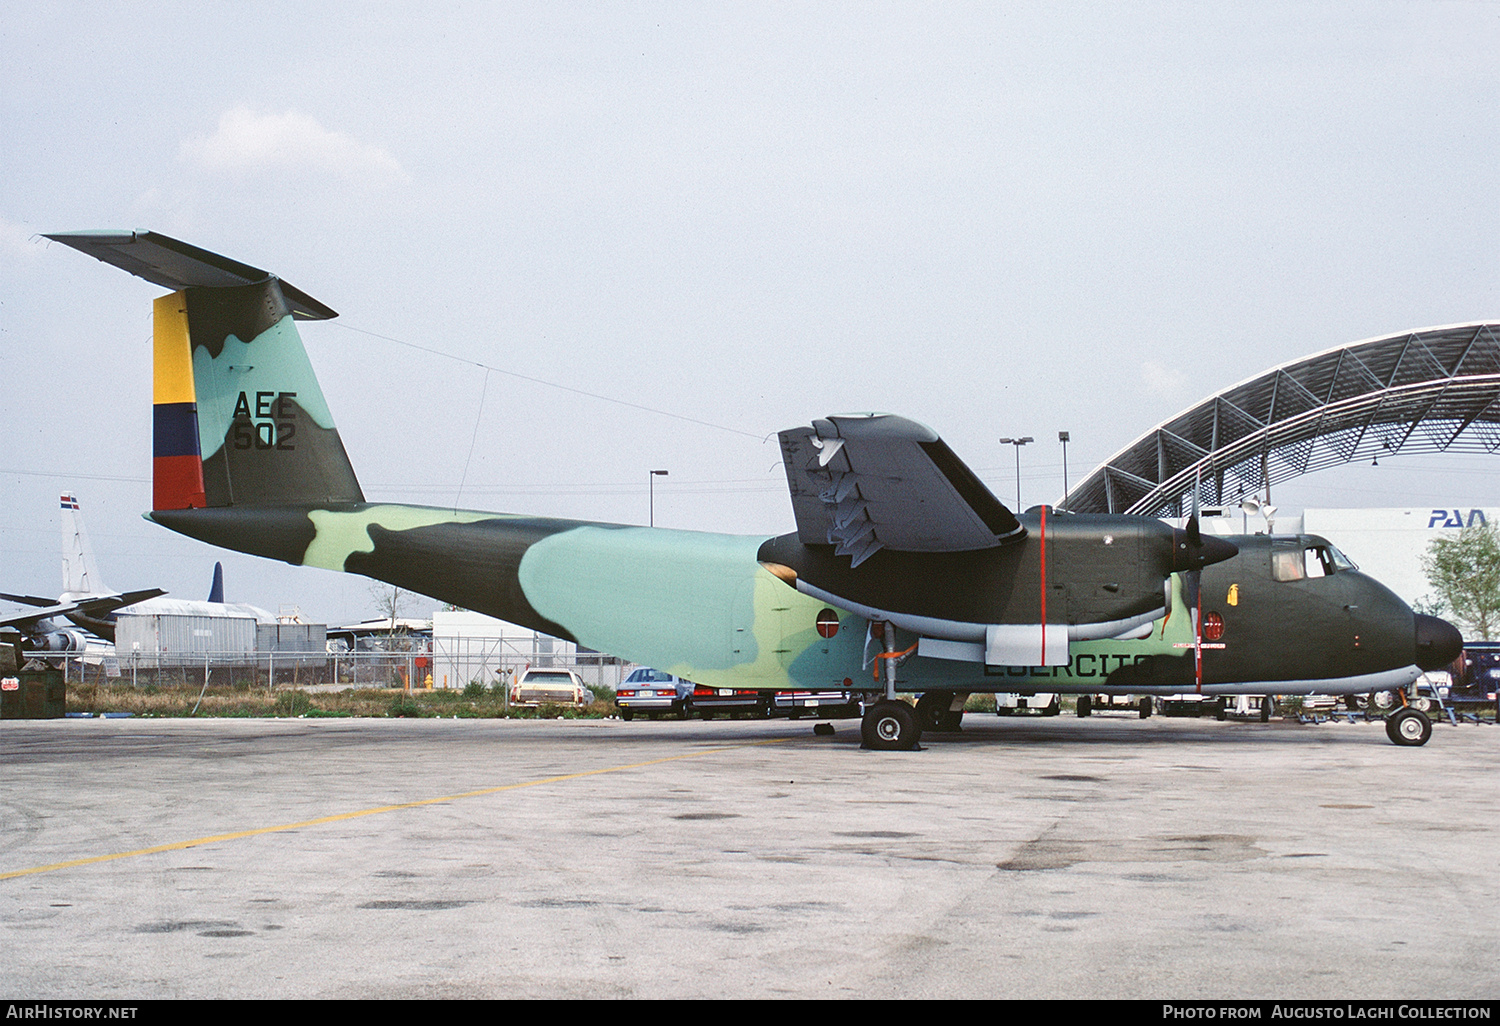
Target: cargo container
(301,644)
(169,639)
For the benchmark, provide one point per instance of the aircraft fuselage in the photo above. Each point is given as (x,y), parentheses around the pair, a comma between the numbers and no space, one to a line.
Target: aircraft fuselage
(705,606)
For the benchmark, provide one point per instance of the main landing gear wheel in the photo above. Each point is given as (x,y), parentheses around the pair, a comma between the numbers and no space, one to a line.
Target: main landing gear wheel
(934,712)
(1267,706)
(1145,708)
(1085,705)
(1408,727)
(890,726)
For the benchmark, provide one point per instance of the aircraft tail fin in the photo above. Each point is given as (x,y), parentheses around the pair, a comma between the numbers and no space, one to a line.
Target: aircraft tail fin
(216,590)
(239,417)
(80,575)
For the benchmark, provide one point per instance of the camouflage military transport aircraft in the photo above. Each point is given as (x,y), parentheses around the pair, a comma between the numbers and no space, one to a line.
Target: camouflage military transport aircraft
(905,574)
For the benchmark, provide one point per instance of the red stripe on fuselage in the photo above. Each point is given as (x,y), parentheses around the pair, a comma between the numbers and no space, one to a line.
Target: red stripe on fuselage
(1042,544)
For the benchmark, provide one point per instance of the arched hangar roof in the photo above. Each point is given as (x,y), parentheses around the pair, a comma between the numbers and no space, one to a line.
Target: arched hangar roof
(1429,390)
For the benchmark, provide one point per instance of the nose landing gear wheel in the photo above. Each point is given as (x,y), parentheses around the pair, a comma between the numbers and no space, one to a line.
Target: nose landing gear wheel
(890,726)
(1408,727)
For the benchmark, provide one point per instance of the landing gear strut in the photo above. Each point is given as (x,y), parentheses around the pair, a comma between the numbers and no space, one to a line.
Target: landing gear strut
(889,724)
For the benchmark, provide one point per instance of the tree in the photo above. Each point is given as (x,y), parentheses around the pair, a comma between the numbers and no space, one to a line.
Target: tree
(1464,570)
(390,600)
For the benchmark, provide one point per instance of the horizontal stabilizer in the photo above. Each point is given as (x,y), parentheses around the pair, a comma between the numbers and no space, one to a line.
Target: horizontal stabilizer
(28,600)
(30,621)
(175,265)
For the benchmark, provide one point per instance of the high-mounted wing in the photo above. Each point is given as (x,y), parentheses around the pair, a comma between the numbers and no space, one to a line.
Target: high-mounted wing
(863,482)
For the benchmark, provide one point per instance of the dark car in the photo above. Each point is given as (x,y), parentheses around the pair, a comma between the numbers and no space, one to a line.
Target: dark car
(1479,681)
(825,705)
(706,702)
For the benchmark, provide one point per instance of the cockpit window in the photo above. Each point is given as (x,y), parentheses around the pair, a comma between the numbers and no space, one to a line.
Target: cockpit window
(1340,560)
(1291,562)
(1318,561)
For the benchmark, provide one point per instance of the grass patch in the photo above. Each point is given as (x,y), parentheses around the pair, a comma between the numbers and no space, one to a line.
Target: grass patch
(243,700)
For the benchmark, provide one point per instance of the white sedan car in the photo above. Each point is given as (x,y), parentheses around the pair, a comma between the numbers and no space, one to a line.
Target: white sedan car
(550,686)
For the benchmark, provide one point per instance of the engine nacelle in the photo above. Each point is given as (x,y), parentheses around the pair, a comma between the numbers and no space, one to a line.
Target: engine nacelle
(58,641)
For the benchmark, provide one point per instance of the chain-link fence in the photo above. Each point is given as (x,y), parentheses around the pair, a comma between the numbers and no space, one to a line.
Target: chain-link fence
(449,663)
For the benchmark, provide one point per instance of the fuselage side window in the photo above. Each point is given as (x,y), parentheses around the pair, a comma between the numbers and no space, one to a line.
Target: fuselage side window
(1286,564)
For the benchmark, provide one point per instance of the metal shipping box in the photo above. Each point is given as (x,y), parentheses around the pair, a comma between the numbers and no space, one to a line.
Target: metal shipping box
(170,639)
(285,640)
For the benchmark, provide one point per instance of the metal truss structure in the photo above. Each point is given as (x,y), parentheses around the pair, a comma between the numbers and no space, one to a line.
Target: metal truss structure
(1424,391)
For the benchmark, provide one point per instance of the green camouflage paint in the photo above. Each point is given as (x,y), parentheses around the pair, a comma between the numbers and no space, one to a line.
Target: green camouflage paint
(340,534)
(695,604)
(272,363)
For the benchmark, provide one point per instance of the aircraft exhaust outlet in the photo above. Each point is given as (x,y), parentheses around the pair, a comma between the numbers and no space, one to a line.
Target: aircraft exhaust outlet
(1438,642)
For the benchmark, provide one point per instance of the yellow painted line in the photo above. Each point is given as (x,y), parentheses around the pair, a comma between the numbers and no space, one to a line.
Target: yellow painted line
(340,817)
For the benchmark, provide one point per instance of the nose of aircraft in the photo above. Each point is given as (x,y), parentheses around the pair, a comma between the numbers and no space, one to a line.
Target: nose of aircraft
(1438,642)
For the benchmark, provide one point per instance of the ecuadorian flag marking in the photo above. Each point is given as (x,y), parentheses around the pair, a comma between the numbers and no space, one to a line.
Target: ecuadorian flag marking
(177,460)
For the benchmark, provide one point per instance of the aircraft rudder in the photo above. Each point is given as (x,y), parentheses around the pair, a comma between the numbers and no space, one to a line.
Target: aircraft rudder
(80,575)
(176,457)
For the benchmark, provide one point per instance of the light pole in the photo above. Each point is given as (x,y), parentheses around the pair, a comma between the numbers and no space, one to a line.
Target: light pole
(651,491)
(1062,436)
(1017,442)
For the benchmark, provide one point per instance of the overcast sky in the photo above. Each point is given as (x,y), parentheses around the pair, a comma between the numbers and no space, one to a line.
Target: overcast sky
(997,219)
